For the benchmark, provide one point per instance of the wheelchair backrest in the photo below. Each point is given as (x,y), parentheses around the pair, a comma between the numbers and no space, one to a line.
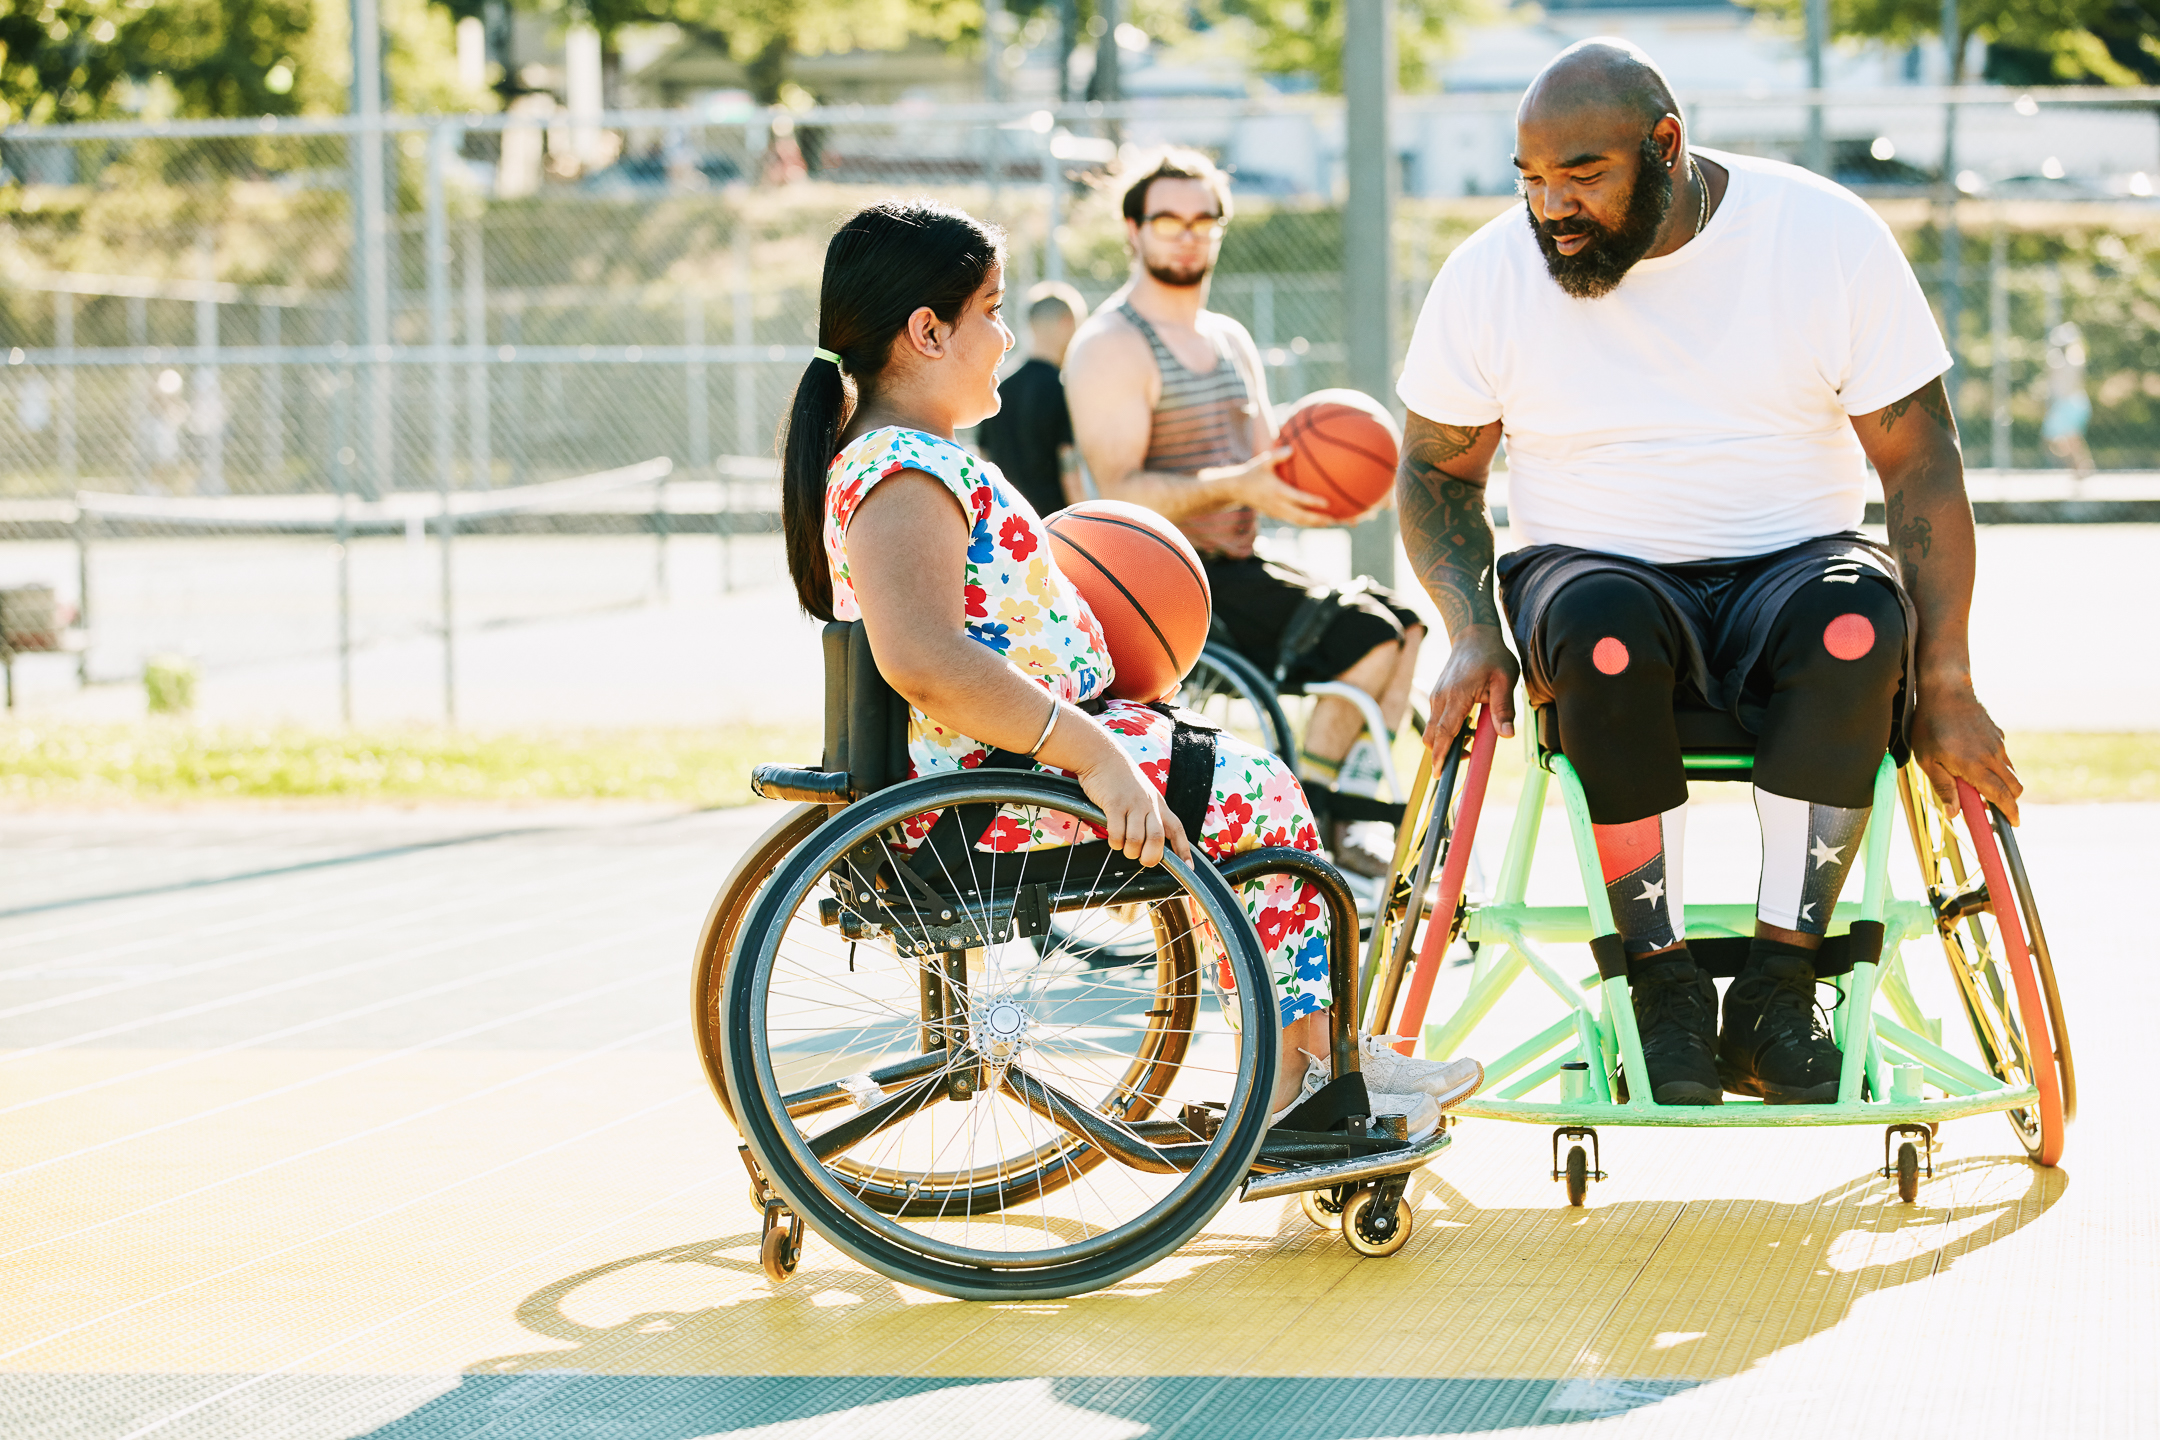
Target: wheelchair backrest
(866,721)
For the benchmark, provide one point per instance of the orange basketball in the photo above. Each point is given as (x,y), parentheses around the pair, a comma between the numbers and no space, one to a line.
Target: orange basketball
(1344,446)
(1144,582)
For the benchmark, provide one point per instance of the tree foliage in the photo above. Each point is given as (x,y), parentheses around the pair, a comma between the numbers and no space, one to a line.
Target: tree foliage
(69,60)
(1305,37)
(2029,41)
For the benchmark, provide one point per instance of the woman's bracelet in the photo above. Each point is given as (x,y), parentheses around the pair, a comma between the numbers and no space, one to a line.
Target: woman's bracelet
(1048,726)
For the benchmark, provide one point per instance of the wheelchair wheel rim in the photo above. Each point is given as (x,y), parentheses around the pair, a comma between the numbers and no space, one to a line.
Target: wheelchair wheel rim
(836,1193)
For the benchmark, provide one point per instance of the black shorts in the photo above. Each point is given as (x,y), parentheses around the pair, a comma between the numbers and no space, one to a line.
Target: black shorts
(1724,609)
(1256,601)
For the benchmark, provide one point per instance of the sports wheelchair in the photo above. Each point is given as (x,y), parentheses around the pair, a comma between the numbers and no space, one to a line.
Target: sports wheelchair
(919,1003)
(1899,1071)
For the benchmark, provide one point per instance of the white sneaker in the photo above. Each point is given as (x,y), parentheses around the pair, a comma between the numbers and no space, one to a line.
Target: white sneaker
(1420,1110)
(1450,1082)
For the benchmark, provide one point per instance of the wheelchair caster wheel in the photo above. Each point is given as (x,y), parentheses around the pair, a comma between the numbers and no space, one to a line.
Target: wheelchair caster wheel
(779,1255)
(1322,1208)
(1374,1229)
(1578,1176)
(1908,1173)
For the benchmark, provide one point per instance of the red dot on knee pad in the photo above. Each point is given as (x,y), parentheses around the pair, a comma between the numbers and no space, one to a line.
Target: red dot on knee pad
(1609,655)
(1849,637)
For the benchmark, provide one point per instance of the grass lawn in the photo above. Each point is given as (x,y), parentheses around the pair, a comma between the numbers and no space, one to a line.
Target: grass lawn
(176,762)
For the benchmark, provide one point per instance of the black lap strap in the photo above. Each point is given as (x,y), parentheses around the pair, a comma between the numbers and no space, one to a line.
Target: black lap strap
(1191,783)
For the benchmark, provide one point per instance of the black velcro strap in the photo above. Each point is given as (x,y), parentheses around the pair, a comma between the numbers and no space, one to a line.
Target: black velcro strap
(960,828)
(1866,942)
(1192,776)
(1345,806)
(1307,624)
(1610,952)
(1330,1105)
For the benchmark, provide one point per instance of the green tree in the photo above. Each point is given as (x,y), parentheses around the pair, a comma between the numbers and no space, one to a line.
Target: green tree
(2029,41)
(68,60)
(1305,37)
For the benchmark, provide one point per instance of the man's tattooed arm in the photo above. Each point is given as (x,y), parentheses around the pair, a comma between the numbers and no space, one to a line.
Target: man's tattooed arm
(1440,497)
(1923,479)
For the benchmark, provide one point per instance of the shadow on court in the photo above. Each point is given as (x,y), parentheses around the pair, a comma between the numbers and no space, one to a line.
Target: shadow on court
(1538,1316)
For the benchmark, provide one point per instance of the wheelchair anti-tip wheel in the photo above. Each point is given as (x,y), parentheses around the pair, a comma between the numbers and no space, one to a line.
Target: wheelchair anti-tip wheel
(961,1108)
(1991,935)
(1322,1207)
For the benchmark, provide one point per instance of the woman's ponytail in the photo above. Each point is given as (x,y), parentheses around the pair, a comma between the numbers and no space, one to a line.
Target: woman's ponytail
(885,263)
(815,423)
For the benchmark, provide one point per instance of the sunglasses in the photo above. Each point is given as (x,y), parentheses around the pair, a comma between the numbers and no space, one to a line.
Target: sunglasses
(1173,227)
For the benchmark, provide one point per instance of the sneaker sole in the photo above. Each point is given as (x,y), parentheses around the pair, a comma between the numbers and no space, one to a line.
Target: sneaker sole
(1686,1092)
(1462,1093)
(1739,1083)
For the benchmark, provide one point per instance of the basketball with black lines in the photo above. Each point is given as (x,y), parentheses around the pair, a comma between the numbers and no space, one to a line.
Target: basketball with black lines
(1144,582)
(1343,448)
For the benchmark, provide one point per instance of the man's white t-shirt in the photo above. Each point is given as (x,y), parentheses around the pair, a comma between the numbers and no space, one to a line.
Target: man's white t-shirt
(1701,409)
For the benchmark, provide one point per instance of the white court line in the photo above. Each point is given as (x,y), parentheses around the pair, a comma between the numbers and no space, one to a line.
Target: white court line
(420,1114)
(290,1086)
(317,977)
(366,1330)
(402,917)
(167,1294)
(177,905)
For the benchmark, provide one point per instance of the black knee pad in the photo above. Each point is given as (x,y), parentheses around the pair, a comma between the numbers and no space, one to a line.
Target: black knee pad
(1832,665)
(1612,654)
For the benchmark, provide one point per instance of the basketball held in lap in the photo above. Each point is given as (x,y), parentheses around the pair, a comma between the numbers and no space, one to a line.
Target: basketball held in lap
(1144,582)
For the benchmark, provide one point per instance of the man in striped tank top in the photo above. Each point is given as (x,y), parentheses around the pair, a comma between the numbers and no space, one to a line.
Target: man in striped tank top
(1170,410)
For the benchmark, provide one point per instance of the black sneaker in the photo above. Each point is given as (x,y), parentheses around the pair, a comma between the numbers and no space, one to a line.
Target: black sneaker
(1776,1041)
(1676,1014)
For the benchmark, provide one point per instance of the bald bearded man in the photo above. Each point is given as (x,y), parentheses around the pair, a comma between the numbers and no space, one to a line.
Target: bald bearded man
(1693,357)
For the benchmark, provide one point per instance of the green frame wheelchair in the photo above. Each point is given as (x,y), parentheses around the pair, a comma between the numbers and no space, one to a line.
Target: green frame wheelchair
(987,1056)
(1899,1070)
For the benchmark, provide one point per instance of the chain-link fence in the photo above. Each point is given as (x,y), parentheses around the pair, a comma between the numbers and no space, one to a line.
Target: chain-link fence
(286,389)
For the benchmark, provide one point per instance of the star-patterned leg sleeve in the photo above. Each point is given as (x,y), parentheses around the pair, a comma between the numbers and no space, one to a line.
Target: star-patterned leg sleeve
(1641,864)
(1807,850)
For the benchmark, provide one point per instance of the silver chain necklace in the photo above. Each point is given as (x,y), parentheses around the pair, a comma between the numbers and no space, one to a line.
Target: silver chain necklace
(1702,189)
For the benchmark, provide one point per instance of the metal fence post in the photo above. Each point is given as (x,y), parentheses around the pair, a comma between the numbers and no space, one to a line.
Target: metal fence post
(697,399)
(440,139)
(478,442)
(1998,349)
(1368,87)
(1053,210)
(1817,154)
(209,405)
(745,398)
(66,454)
(371,276)
(341,397)
(138,383)
(271,379)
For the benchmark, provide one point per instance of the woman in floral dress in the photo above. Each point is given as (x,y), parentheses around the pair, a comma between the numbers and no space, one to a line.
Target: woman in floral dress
(889,521)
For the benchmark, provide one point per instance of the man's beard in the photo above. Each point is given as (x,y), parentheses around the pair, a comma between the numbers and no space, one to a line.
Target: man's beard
(1598,268)
(1181,277)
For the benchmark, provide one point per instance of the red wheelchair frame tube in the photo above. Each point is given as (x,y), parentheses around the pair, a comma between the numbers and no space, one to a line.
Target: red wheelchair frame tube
(2039,1031)
(1441,928)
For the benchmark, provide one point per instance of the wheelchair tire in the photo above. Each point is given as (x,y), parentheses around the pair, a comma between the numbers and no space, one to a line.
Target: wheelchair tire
(1231,691)
(1997,973)
(1061,1183)
(1373,1229)
(1578,1176)
(1908,1173)
(724,920)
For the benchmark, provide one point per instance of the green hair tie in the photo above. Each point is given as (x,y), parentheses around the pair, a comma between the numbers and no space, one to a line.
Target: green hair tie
(823,354)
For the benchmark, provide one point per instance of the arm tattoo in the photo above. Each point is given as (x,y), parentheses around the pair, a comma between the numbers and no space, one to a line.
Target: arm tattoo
(1933,403)
(1444,525)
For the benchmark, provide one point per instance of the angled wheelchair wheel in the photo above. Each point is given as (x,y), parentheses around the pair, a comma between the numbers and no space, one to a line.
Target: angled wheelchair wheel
(963,1109)
(1231,691)
(1986,917)
(724,921)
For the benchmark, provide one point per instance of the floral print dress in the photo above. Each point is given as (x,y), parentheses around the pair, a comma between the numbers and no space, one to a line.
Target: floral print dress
(1020,605)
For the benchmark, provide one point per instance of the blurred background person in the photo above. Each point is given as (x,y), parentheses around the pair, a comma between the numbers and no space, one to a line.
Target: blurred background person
(2069,410)
(1031,436)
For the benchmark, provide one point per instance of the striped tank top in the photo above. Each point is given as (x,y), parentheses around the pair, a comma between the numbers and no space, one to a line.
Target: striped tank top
(1203,419)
